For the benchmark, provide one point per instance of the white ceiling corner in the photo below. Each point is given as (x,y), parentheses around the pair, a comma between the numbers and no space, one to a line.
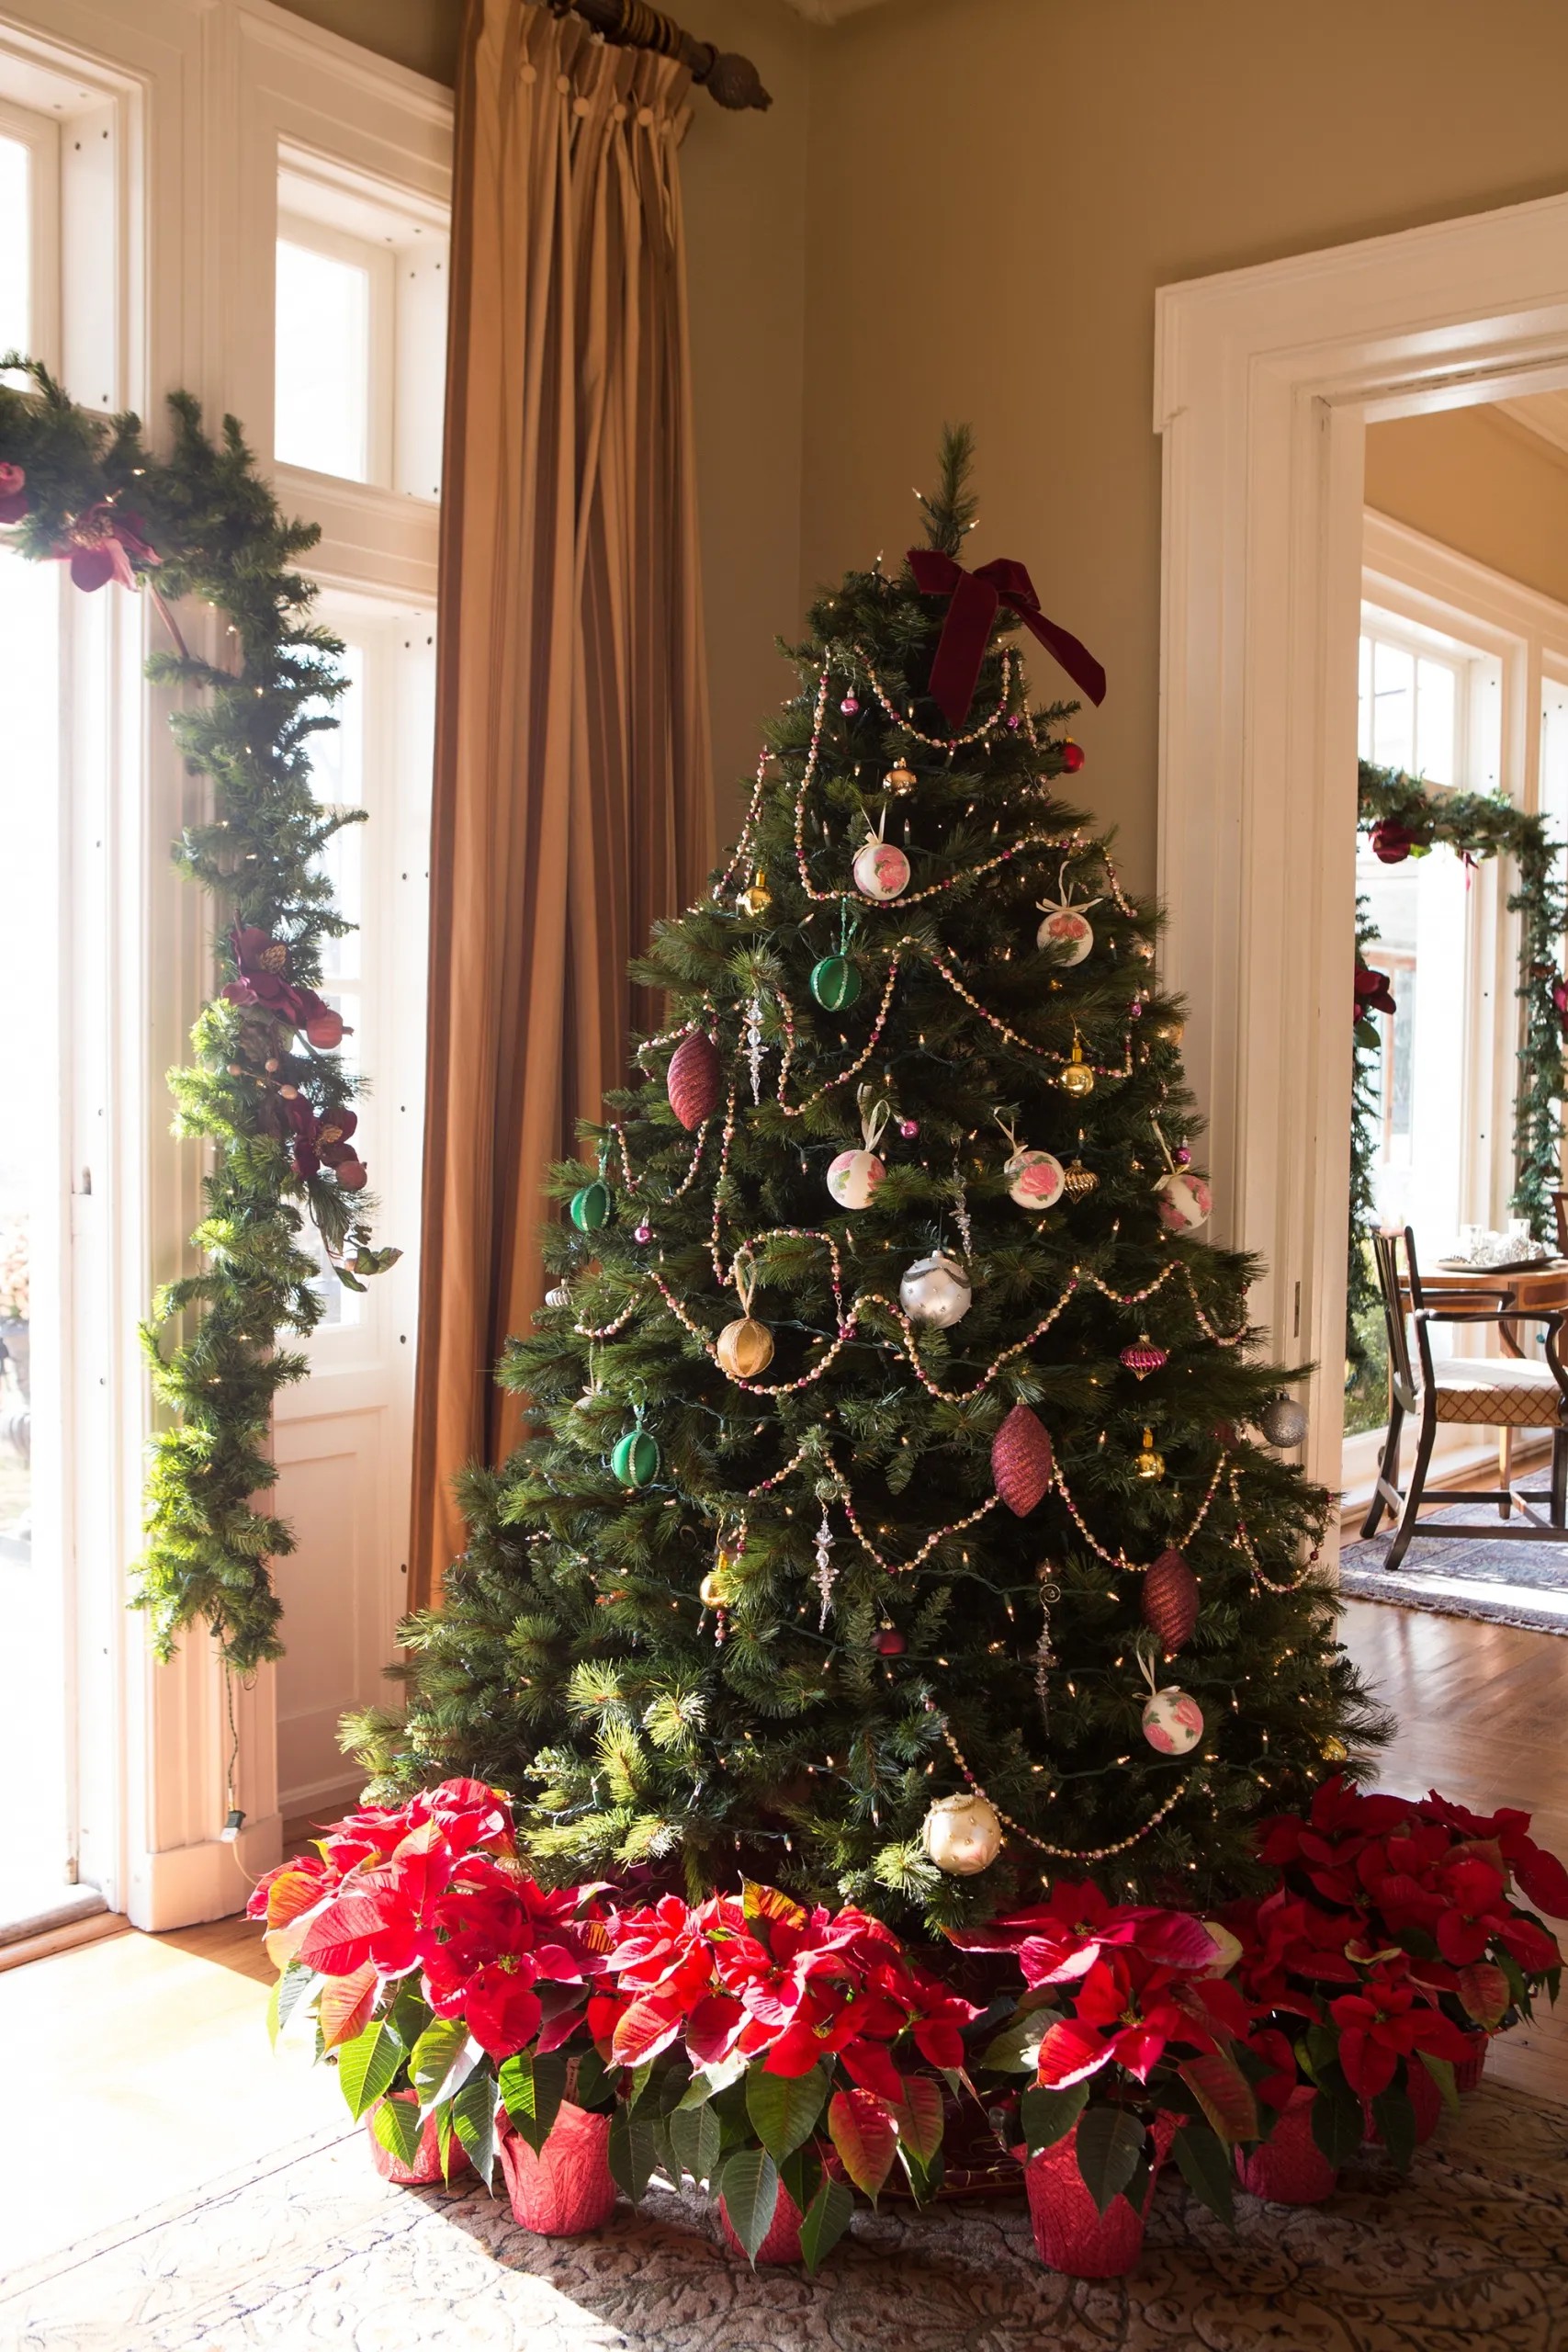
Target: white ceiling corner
(1545,413)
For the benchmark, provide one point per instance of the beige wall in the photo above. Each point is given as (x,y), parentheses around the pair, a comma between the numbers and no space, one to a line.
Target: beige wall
(998,187)
(1480,482)
(743,177)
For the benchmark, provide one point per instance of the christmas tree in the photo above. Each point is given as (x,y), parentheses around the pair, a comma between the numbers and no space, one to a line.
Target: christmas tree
(892,1524)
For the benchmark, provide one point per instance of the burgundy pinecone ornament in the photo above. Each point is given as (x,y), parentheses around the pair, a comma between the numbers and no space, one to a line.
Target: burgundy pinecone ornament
(695,1080)
(1021,1461)
(1170,1601)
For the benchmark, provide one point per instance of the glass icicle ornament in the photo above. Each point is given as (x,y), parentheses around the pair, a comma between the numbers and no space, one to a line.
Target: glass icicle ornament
(826,1574)
(754,1046)
(1044,1650)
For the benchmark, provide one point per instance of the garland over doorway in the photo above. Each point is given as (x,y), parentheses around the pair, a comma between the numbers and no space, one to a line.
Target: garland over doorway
(1403,817)
(266,1087)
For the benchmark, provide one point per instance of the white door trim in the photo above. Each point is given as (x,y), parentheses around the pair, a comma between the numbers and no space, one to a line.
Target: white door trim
(1264,380)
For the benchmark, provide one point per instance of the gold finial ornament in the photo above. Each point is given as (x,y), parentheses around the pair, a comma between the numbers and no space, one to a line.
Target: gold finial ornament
(1146,1462)
(1334,1750)
(1078,1182)
(756,898)
(900,778)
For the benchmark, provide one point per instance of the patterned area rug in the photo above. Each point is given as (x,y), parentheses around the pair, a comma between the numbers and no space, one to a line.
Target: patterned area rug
(312,2250)
(1506,1584)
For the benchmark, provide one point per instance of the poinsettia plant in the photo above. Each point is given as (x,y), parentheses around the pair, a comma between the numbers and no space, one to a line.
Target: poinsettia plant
(441,1979)
(1128,2014)
(777,2049)
(1392,1943)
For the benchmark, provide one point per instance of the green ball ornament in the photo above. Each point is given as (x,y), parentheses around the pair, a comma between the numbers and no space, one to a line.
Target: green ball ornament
(592,1207)
(635,1458)
(835,982)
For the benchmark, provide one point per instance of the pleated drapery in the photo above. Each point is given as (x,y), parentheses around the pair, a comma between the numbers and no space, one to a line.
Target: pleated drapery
(572,800)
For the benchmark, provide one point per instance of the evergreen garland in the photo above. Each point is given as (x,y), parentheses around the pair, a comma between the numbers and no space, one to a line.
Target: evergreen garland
(203,524)
(1477,825)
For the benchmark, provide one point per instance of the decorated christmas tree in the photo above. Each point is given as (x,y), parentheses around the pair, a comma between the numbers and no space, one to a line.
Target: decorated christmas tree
(898,1520)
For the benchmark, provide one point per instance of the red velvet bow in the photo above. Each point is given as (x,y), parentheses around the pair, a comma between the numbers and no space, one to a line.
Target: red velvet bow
(976,596)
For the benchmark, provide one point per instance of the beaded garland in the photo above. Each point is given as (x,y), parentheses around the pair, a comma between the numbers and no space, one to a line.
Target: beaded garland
(1041,1845)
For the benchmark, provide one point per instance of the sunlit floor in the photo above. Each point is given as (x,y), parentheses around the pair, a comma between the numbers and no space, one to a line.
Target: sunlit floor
(146,2057)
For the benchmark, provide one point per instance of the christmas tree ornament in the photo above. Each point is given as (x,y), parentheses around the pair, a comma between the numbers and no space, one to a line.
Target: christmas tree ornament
(1021,1461)
(1071,755)
(1146,1462)
(850,704)
(961,1211)
(1034,1178)
(643,1232)
(695,1080)
(1172,1722)
(716,1590)
(1171,1030)
(936,1290)
(1170,1601)
(635,1459)
(1143,1357)
(889,1642)
(854,1176)
(754,1046)
(1078,1182)
(592,1206)
(756,898)
(1334,1750)
(1185,1201)
(744,1348)
(557,1296)
(1066,927)
(881,869)
(908,1129)
(900,780)
(1045,1652)
(835,983)
(1282,1421)
(961,1835)
(825,1573)
(1076,1077)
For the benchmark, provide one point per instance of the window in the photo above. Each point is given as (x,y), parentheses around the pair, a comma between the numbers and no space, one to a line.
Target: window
(361,327)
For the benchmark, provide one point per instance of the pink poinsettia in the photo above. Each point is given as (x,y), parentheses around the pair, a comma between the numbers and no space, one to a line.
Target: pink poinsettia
(14,499)
(101,544)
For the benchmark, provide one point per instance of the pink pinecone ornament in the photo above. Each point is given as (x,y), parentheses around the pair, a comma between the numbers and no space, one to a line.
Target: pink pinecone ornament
(1170,1601)
(695,1080)
(1021,1461)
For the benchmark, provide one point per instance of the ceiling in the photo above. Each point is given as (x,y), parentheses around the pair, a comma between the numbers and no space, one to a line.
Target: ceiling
(1543,412)
(828,12)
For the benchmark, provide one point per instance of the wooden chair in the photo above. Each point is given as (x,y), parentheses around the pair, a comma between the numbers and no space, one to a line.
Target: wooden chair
(1486,1392)
(1560,1203)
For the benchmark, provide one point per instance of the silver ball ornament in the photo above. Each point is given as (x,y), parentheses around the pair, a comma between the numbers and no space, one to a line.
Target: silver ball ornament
(1284,1422)
(936,1290)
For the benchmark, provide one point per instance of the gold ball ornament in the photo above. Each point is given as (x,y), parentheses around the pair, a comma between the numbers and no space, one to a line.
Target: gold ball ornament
(1334,1750)
(744,1348)
(1076,1077)
(716,1590)
(756,898)
(1146,1462)
(900,780)
(961,1835)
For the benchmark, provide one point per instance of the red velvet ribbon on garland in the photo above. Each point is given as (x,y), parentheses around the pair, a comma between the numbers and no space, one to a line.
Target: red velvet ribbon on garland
(976,596)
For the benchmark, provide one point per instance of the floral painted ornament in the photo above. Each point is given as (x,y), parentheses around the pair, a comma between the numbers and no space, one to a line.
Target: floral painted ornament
(881,869)
(1172,1720)
(1067,926)
(1183,1197)
(1035,1179)
(853,1176)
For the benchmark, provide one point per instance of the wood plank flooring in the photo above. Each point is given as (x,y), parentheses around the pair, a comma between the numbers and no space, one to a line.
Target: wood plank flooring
(145,2059)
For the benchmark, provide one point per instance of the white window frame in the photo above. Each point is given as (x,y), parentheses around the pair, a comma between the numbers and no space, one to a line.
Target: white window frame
(40,134)
(173,113)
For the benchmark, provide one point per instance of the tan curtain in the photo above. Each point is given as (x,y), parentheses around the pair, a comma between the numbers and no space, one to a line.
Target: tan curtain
(573,788)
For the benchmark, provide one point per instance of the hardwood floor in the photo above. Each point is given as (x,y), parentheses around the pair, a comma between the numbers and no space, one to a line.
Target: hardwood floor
(146,2057)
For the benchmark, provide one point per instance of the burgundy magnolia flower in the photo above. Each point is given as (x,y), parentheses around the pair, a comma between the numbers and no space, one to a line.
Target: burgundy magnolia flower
(1373,993)
(262,979)
(14,500)
(101,546)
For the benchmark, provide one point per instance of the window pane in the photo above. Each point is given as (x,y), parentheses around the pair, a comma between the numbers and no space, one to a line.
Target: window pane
(337,776)
(1435,703)
(15,246)
(322,395)
(1393,706)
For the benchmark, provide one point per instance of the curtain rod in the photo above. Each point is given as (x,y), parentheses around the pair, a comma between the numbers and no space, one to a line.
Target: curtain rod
(732,80)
